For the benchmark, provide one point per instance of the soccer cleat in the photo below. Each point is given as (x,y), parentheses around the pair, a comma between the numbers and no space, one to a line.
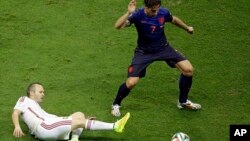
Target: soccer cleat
(120,124)
(116,110)
(74,139)
(189,105)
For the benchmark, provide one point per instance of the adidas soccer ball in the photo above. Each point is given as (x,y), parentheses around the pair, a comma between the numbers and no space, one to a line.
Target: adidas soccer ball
(180,136)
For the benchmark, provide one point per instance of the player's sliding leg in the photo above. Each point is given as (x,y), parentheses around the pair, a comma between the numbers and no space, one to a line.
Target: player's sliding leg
(91,124)
(99,125)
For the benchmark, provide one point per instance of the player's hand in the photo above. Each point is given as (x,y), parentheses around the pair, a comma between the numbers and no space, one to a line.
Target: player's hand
(190,30)
(132,6)
(18,132)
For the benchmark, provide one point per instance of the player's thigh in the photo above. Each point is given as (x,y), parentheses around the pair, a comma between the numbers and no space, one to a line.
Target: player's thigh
(171,56)
(137,70)
(54,129)
(139,64)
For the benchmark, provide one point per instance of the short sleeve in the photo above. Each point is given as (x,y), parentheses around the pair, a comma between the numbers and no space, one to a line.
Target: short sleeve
(129,22)
(21,104)
(134,16)
(168,17)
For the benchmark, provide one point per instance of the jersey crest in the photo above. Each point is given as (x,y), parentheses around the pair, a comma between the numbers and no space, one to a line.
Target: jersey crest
(161,20)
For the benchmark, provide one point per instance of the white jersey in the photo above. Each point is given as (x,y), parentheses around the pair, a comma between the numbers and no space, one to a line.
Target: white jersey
(31,113)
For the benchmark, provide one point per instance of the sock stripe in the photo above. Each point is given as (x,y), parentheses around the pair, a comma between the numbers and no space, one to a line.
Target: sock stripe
(88,124)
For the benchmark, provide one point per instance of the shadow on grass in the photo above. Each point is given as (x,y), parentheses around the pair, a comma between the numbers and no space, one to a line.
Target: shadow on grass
(91,138)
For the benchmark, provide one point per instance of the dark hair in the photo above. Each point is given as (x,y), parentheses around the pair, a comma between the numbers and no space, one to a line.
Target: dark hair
(151,3)
(31,87)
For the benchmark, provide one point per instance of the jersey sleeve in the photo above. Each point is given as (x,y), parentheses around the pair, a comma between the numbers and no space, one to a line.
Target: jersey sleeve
(21,104)
(168,16)
(132,18)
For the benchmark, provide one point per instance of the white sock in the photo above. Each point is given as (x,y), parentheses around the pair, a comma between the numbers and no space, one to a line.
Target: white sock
(98,125)
(76,133)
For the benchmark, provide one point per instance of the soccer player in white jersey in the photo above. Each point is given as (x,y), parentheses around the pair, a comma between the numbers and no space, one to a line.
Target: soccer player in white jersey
(47,126)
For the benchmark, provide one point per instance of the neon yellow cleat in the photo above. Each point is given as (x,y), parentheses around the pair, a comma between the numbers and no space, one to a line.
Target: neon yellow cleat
(120,124)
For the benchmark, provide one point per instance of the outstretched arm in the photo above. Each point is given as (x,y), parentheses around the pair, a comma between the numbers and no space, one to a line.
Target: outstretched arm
(181,24)
(15,119)
(123,19)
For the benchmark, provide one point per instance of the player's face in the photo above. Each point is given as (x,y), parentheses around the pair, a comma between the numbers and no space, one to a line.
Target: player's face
(39,93)
(152,11)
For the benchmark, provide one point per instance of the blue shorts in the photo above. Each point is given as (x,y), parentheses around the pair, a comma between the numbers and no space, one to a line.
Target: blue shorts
(142,60)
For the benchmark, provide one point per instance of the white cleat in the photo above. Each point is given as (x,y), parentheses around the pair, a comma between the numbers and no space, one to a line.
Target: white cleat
(116,110)
(189,105)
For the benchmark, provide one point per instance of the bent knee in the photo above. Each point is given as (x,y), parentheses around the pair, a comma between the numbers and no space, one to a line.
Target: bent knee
(78,115)
(188,71)
(185,67)
(131,82)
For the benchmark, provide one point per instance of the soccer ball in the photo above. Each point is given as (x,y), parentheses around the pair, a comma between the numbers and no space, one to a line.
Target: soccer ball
(180,136)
